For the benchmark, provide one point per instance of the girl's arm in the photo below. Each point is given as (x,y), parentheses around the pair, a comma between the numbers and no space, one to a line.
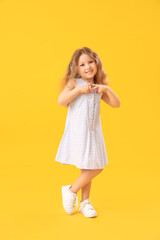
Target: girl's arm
(110,97)
(69,93)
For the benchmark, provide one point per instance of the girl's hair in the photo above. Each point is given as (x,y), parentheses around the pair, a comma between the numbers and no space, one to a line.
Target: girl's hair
(71,72)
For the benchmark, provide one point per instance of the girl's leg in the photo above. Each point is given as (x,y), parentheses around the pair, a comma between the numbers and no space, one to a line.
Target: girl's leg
(86,191)
(86,176)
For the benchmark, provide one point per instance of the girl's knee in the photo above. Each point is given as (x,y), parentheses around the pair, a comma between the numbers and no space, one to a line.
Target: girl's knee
(91,171)
(100,170)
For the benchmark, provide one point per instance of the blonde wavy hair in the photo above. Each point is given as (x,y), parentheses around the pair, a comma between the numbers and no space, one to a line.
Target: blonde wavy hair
(71,72)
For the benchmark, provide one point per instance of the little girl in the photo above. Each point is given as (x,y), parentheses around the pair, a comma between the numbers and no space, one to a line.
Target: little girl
(82,144)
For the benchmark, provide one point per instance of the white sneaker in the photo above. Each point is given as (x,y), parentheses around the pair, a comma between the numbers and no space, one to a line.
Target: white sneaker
(87,209)
(69,198)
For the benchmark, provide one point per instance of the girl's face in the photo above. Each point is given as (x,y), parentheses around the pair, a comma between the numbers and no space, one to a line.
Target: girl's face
(87,67)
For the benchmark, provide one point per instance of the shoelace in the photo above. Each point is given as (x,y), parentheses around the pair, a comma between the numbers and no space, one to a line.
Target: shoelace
(88,204)
(75,198)
(76,202)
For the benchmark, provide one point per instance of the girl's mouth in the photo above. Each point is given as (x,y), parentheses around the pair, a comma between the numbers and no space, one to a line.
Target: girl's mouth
(89,72)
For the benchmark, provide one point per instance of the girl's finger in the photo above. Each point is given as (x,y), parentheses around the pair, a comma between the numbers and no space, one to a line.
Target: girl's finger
(95,87)
(91,89)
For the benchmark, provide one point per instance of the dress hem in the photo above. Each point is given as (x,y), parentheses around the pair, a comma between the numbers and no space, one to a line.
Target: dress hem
(81,167)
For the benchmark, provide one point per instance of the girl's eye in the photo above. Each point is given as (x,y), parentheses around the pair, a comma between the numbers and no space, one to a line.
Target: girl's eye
(83,64)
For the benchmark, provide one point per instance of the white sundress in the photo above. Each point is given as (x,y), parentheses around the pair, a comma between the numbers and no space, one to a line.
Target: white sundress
(82,143)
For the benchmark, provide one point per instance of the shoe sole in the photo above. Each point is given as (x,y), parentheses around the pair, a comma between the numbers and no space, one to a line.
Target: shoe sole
(63,193)
(88,216)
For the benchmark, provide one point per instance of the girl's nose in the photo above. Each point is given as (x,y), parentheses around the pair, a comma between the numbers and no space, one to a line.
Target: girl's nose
(87,67)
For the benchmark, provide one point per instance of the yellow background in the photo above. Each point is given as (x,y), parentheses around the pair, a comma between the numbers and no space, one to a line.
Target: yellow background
(37,41)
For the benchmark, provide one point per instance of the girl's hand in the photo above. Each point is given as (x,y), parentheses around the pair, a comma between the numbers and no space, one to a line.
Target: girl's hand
(85,88)
(100,87)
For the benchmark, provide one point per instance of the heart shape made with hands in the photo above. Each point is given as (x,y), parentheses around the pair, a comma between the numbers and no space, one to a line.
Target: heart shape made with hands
(95,90)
